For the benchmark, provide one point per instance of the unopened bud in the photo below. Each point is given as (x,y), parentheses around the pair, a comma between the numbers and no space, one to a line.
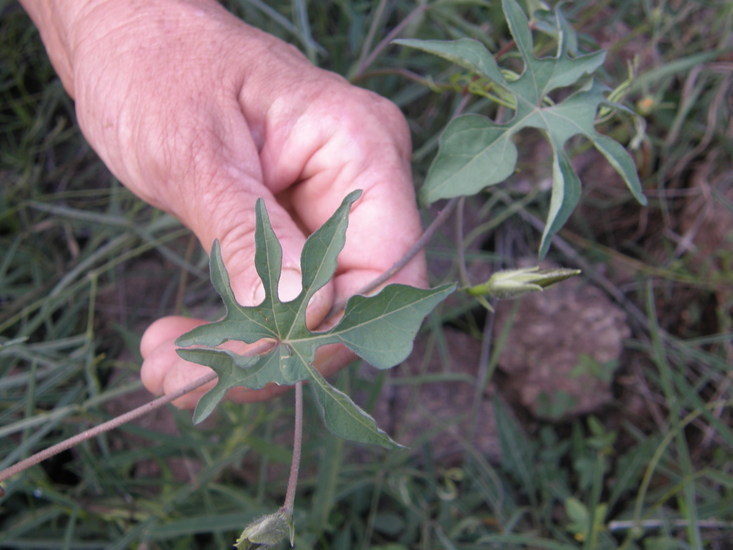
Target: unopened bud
(517,282)
(267,531)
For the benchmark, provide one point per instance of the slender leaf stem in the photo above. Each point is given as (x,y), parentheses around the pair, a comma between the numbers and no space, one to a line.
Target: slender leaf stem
(116,422)
(297,446)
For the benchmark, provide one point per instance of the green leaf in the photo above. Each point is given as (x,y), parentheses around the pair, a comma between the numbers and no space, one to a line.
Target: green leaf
(380,329)
(465,52)
(344,417)
(476,152)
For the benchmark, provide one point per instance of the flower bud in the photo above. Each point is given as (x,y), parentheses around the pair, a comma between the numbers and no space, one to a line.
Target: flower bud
(516,282)
(266,531)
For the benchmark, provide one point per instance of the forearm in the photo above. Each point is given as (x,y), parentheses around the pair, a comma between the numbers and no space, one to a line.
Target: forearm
(64,23)
(54,21)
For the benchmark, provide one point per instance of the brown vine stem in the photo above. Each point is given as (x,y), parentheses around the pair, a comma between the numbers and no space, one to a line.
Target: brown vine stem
(114,423)
(104,427)
(297,446)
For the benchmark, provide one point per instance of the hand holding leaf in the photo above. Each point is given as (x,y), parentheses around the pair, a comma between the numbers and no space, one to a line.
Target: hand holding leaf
(380,329)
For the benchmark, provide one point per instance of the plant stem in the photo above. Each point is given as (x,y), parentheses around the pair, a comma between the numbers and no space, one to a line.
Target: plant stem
(366,61)
(104,427)
(460,244)
(413,251)
(297,446)
(116,422)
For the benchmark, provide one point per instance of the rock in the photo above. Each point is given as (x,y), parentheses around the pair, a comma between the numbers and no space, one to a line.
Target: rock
(562,349)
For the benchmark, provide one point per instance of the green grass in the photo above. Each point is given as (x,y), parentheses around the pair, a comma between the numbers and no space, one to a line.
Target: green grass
(79,253)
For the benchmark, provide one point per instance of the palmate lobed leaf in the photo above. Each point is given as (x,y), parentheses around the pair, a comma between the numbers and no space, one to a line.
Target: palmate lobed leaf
(475,152)
(380,329)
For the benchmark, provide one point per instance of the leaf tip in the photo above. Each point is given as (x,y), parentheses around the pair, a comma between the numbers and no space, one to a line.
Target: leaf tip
(216,247)
(396,446)
(198,418)
(353,196)
(182,342)
(206,406)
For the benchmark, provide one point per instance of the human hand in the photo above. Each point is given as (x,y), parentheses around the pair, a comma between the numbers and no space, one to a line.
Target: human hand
(200,114)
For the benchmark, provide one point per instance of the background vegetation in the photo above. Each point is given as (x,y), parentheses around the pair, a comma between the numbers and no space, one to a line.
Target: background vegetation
(85,265)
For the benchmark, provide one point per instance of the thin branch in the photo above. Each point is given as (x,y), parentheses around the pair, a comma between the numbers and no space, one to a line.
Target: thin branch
(297,446)
(406,74)
(114,423)
(376,20)
(366,62)
(105,427)
(483,374)
(460,244)
(413,251)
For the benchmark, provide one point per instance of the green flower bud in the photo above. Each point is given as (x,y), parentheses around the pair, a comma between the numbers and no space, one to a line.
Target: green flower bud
(267,531)
(516,282)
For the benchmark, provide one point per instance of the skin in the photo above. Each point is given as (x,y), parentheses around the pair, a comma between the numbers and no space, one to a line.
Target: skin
(200,114)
